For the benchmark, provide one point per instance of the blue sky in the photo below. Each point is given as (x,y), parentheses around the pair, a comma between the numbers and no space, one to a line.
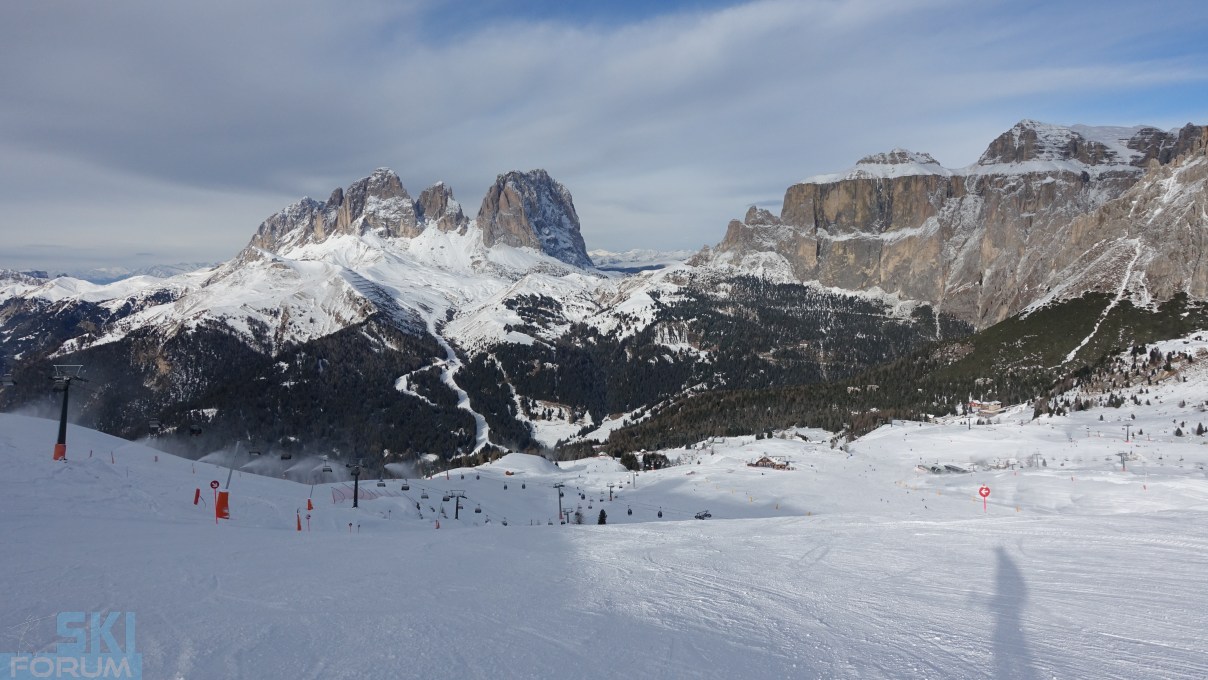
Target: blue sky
(147,132)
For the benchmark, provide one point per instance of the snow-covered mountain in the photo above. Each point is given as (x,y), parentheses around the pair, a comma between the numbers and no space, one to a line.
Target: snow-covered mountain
(997,235)
(435,331)
(499,325)
(638,259)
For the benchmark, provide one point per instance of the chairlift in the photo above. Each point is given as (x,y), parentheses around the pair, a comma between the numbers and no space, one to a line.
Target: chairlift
(423,494)
(660,513)
(406,486)
(153,426)
(629,511)
(446,498)
(478,510)
(60,384)
(287,456)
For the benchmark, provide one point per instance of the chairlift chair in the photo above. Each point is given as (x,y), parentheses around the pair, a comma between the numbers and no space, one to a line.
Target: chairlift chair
(153,426)
(287,456)
(423,494)
(60,384)
(254,453)
(446,498)
(406,486)
(478,510)
(381,482)
(326,465)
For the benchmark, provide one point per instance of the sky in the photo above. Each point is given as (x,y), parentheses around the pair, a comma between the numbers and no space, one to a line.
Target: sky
(136,133)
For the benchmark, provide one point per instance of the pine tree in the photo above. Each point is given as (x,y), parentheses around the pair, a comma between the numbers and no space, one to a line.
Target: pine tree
(603,517)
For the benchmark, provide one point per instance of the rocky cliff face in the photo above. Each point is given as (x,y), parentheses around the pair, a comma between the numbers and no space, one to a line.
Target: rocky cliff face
(980,242)
(378,203)
(531,209)
(521,209)
(436,205)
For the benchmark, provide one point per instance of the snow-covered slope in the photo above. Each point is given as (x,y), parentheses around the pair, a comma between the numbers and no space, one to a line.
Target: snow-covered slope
(854,563)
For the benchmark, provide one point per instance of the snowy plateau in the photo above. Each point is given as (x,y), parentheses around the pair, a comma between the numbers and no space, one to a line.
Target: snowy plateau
(1085,560)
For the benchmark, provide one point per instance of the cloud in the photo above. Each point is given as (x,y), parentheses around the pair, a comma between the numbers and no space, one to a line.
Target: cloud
(177,128)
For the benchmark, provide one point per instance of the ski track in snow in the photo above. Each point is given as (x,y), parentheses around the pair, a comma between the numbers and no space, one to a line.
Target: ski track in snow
(451,365)
(1111,305)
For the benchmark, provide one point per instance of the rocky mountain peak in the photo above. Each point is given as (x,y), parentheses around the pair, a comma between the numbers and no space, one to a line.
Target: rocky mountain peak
(895,163)
(377,203)
(531,209)
(898,156)
(436,204)
(380,203)
(1031,140)
(756,215)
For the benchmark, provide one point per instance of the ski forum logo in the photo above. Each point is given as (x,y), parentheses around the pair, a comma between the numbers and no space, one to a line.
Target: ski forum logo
(88,648)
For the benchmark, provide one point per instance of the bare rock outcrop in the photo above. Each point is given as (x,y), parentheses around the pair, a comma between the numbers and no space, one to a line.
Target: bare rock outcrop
(532,210)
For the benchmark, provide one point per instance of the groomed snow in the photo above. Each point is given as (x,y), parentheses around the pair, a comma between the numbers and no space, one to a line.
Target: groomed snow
(855,564)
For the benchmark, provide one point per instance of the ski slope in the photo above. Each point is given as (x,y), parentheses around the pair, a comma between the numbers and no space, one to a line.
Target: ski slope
(854,564)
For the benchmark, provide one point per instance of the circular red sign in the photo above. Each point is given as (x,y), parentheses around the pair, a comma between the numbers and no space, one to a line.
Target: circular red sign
(984,491)
(214,484)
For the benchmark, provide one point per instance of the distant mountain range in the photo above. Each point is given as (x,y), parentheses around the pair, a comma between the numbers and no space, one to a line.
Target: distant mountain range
(374,321)
(111,274)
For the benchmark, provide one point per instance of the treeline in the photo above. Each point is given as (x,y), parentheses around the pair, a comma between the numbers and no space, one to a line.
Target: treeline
(1020,360)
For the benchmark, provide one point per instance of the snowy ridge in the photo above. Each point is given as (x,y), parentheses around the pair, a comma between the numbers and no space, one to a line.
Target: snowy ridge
(895,163)
(1043,148)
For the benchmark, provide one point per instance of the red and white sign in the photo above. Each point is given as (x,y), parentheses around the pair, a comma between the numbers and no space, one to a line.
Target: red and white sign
(984,492)
(214,484)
